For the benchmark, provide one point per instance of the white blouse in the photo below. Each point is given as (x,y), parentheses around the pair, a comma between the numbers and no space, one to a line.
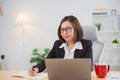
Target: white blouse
(78,45)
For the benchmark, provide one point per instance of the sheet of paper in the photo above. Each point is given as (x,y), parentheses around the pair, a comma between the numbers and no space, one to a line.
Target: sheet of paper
(114,77)
(24,74)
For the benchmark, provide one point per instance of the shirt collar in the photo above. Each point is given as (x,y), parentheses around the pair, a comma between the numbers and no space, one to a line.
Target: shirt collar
(78,45)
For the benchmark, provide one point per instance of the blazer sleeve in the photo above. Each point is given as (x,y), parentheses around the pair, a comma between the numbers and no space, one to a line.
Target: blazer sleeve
(88,50)
(42,66)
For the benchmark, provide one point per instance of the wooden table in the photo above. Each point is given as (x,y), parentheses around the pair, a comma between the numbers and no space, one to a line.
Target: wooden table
(7,75)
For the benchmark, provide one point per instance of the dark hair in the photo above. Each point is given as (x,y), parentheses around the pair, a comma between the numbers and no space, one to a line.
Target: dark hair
(76,26)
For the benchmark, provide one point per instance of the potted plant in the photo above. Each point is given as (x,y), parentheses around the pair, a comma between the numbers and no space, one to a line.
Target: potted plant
(98,25)
(115,42)
(38,58)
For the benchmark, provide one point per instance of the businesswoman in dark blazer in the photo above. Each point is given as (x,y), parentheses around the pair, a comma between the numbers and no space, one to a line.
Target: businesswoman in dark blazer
(70,45)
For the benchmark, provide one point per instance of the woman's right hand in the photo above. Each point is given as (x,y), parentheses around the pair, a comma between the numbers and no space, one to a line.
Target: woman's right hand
(33,71)
(45,70)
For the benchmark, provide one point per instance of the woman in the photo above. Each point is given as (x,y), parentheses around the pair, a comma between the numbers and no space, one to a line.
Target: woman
(70,44)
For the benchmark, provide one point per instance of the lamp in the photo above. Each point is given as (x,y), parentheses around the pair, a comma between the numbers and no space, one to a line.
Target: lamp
(22,20)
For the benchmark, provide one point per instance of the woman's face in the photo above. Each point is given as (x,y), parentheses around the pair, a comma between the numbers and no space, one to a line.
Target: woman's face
(67,31)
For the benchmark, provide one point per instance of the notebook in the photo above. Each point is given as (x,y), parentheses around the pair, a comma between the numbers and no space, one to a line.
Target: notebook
(69,69)
(24,74)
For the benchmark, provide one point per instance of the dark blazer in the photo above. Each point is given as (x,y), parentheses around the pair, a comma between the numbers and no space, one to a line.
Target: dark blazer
(57,52)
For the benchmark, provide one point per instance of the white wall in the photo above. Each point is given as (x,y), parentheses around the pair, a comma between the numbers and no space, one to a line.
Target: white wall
(41,32)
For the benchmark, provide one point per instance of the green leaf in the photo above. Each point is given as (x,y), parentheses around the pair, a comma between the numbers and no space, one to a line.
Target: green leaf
(35,50)
(46,50)
(38,58)
(115,41)
(98,24)
(35,53)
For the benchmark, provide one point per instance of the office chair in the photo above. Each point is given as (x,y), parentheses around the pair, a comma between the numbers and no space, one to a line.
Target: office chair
(91,33)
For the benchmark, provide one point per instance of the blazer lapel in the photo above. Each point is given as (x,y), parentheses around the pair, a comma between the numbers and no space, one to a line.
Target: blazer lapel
(61,53)
(78,53)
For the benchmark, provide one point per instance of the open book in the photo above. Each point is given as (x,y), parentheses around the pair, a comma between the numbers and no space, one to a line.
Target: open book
(24,74)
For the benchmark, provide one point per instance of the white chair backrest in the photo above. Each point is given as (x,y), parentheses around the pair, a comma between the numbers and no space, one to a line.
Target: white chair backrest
(91,33)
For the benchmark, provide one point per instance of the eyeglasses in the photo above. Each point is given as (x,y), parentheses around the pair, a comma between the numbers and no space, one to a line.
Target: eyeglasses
(67,29)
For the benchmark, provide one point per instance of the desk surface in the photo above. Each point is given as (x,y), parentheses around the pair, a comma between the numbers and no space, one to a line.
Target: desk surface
(7,75)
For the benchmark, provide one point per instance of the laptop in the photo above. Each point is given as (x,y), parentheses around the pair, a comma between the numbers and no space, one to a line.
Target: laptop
(69,69)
